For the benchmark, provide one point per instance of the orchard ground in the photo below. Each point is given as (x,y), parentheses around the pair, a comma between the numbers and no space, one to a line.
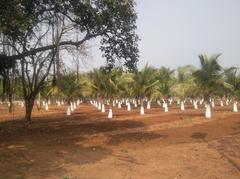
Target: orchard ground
(173,145)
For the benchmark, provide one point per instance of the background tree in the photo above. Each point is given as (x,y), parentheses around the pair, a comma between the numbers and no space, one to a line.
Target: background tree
(232,77)
(8,73)
(185,85)
(146,85)
(209,78)
(166,79)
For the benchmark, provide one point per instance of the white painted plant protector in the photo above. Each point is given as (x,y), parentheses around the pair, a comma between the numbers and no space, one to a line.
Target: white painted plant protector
(213,104)
(78,102)
(22,104)
(221,103)
(142,110)
(68,110)
(71,106)
(119,104)
(99,106)
(195,105)
(58,103)
(103,108)
(46,106)
(235,109)
(208,111)
(43,103)
(49,102)
(110,115)
(74,106)
(164,104)
(182,106)
(128,106)
(158,102)
(148,105)
(135,104)
(62,103)
(166,108)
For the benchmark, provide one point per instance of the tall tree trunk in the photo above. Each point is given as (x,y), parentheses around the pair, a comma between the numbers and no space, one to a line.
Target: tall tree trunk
(10,99)
(29,102)
(4,89)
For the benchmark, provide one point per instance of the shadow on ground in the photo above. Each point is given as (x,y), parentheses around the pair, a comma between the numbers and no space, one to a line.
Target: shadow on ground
(199,135)
(45,149)
(133,137)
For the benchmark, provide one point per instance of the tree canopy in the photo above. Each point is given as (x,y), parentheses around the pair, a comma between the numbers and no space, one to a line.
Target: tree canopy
(28,22)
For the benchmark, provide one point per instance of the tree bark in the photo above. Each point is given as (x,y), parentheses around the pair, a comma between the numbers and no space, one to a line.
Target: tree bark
(10,99)
(29,102)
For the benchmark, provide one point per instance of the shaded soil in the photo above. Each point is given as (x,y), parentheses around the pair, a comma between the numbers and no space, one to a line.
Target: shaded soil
(174,145)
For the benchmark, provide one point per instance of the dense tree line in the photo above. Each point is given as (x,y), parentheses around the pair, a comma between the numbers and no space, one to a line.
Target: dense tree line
(207,83)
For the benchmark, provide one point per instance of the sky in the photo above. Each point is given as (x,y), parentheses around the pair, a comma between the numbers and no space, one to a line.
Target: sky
(174,32)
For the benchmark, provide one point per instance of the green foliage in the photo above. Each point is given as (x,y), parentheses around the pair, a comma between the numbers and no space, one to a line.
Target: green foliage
(71,87)
(185,72)
(185,85)
(107,84)
(146,84)
(166,79)
(209,76)
(113,21)
(232,81)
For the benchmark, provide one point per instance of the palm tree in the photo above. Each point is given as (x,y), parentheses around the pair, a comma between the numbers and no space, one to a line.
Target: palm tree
(97,78)
(145,85)
(232,78)
(125,87)
(106,85)
(71,87)
(208,78)
(185,86)
(166,79)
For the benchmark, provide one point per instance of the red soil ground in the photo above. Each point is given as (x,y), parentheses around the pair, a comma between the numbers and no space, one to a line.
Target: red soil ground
(173,145)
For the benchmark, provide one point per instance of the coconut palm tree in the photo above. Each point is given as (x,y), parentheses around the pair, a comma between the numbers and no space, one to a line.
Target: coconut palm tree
(232,78)
(145,85)
(71,87)
(208,78)
(185,85)
(107,85)
(97,78)
(166,79)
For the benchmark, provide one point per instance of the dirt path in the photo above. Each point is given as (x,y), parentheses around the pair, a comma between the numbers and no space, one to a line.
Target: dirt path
(87,145)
